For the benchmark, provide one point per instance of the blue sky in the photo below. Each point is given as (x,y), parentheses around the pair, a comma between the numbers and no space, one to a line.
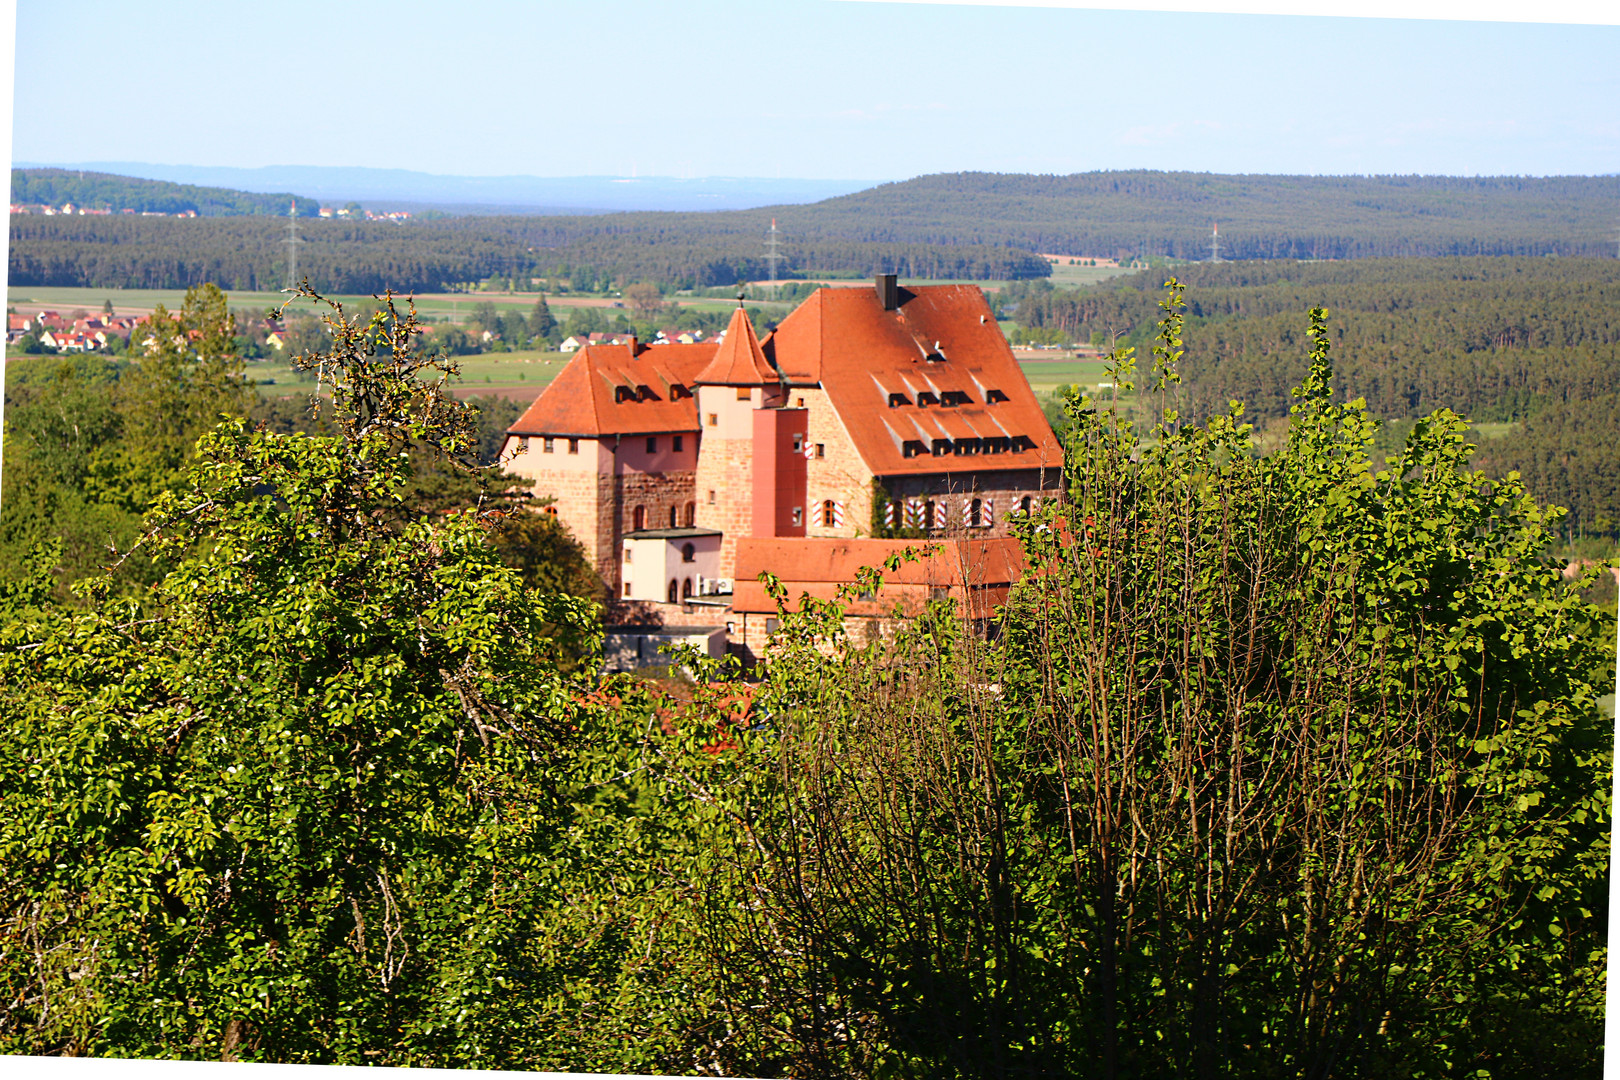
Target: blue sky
(805,88)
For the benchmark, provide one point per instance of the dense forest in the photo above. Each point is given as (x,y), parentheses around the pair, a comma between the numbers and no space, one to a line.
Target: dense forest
(1260,217)
(970,225)
(106,191)
(1531,341)
(366,257)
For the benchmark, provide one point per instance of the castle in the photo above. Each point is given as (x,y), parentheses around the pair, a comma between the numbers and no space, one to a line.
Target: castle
(685,469)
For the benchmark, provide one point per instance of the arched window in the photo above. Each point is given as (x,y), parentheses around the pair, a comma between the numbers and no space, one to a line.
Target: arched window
(672,517)
(639,519)
(688,553)
(976,513)
(686,588)
(829,514)
(931,515)
(674,590)
(691,515)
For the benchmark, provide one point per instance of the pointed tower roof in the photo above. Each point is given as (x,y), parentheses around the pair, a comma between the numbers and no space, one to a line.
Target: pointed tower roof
(740,361)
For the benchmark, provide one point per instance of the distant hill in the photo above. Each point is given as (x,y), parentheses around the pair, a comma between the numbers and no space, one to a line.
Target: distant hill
(406,189)
(106,191)
(962,225)
(1119,214)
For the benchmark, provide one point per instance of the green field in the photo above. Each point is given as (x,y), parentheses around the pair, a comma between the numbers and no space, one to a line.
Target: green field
(1068,277)
(1047,375)
(487,372)
(437,307)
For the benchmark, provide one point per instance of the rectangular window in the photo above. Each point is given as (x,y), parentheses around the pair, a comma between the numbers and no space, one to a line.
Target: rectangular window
(680,444)
(798,444)
(744,394)
(711,496)
(714,420)
(821,449)
(801,403)
(798,516)
(523,441)
(573,446)
(549,445)
(627,588)
(652,444)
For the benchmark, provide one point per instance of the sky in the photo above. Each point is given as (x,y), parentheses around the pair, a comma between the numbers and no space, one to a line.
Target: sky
(805,88)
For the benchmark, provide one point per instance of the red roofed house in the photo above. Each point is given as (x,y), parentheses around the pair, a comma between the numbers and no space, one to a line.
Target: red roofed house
(867,411)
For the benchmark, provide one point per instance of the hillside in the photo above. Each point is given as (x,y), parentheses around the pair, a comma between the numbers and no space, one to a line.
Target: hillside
(1260,217)
(1530,346)
(966,225)
(105,191)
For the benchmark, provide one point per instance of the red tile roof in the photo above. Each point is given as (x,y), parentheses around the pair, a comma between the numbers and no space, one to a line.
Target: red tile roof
(605,390)
(931,387)
(739,361)
(978,570)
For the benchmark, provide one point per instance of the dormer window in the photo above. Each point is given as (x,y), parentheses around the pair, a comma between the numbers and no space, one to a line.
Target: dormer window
(677,391)
(952,398)
(927,398)
(992,397)
(897,400)
(913,448)
(942,447)
(622,394)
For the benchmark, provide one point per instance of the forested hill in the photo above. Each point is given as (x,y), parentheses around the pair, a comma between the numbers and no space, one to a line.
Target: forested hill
(1260,217)
(105,191)
(965,225)
(1531,342)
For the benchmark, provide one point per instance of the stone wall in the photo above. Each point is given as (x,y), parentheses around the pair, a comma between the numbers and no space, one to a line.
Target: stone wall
(838,472)
(724,489)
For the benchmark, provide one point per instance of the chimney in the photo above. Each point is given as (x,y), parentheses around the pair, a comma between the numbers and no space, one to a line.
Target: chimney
(888,290)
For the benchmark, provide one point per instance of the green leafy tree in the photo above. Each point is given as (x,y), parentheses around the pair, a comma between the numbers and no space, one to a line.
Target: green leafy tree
(1276,766)
(186,374)
(296,804)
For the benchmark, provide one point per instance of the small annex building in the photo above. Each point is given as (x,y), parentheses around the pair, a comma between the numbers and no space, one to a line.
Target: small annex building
(868,414)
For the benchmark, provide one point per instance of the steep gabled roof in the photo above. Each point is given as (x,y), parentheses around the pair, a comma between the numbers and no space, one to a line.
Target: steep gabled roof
(620,390)
(739,360)
(916,385)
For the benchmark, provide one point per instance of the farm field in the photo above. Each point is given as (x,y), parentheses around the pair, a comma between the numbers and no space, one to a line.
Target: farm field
(1065,276)
(1047,375)
(516,375)
(436,307)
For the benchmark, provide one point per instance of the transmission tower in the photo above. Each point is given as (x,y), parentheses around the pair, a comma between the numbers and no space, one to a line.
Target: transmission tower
(292,243)
(1215,243)
(773,254)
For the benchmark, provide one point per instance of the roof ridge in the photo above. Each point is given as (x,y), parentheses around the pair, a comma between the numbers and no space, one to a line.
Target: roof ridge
(739,361)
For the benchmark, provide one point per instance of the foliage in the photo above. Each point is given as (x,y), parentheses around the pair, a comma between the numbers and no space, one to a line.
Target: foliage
(1276,766)
(299,802)
(1520,340)
(91,442)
